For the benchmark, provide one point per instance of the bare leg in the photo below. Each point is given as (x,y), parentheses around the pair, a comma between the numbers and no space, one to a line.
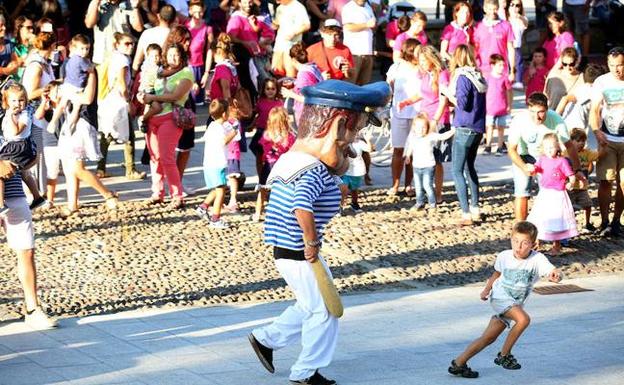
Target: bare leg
(354,197)
(521,322)
(556,248)
(409,176)
(31,183)
(27,274)
(260,201)
(182,161)
(501,136)
(587,216)
(604,200)
(367,162)
(209,198)
(489,132)
(619,203)
(1,192)
(233,184)
(397,167)
(491,333)
(218,201)
(521,207)
(51,189)
(89,178)
(439,181)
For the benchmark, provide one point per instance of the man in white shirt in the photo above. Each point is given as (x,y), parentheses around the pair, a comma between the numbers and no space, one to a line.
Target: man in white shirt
(606,119)
(359,23)
(291,21)
(154,35)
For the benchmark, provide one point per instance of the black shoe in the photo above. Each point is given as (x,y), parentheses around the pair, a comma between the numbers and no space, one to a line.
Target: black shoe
(356,208)
(37,202)
(487,150)
(611,230)
(265,355)
(507,362)
(590,227)
(316,379)
(462,371)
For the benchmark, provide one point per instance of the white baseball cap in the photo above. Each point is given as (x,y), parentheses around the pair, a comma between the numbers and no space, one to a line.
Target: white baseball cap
(332,23)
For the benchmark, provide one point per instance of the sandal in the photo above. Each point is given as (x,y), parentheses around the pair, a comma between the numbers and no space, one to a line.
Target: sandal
(66,212)
(153,201)
(507,362)
(409,192)
(392,192)
(101,174)
(112,201)
(462,371)
(175,204)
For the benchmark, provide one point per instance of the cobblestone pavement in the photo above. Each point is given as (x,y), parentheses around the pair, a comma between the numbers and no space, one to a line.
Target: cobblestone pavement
(102,261)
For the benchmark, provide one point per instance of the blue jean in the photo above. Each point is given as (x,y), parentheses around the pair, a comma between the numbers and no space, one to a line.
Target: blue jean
(423,179)
(465,146)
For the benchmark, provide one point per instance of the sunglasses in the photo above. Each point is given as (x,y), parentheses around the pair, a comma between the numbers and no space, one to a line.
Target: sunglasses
(567,64)
(29,27)
(517,5)
(128,44)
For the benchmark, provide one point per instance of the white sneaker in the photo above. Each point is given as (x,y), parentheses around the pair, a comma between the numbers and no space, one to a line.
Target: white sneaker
(518,86)
(38,320)
(219,224)
(475,214)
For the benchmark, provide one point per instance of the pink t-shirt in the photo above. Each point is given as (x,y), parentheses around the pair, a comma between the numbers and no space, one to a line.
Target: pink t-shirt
(392,30)
(309,74)
(537,82)
(239,27)
(226,71)
(456,35)
(271,151)
(554,172)
(496,95)
(198,43)
(555,46)
(491,39)
(398,42)
(431,99)
(336,6)
(263,107)
(233,148)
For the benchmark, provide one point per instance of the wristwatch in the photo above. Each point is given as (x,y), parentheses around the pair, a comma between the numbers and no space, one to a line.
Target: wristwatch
(313,243)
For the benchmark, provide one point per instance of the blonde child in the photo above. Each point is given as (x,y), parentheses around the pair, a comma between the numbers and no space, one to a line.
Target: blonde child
(498,99)
(151,70)
(355,174)
(419,153)
(216,137)
(276,140)
(552,210)
(516,271)
(578,193)
(16,144)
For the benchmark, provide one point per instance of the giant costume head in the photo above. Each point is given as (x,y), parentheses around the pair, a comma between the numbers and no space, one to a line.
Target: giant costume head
(333,114)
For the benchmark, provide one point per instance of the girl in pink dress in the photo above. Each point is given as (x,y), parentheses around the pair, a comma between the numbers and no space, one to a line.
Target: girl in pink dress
(276,140)
(552,212)
(558,38)
(269,98)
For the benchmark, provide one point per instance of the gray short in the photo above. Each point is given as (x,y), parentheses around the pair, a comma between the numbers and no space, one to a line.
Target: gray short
(502,306)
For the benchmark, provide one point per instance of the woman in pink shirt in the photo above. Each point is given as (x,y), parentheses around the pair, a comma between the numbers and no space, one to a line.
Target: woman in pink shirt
(416,31)
(558,38)
(243,27)
(435,77)
(459,31)
(200,58)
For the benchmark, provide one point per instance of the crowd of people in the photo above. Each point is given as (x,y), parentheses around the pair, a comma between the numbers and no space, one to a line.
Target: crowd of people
(75,81)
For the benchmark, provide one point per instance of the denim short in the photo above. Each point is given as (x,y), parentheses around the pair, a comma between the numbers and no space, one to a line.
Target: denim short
(352,182)
(214,177)
(498,120)
(523,184)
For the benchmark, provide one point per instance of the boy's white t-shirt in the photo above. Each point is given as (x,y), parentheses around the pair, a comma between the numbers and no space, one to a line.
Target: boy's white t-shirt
(518,275)
(357,167)
(406,85)
(215,149)
(421,149)
(361,42)
(25,118)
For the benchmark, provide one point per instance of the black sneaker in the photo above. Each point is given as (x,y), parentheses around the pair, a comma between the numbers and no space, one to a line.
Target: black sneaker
(499,152)
(611,230)
(487,150)
(316,379)
(356,208)
(265,355)
(462,371)
(589,227)
(507,362)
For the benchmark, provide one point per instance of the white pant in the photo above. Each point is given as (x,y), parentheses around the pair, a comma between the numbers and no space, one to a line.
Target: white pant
(308,318)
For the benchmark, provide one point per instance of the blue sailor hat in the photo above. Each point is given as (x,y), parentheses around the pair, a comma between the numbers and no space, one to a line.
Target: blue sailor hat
(341,94)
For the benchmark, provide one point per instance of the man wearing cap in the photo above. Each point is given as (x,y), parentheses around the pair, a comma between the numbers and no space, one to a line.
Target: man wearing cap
(359,24)
(330,55)
(304,198)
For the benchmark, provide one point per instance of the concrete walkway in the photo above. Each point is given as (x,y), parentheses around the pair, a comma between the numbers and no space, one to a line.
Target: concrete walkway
(386,338)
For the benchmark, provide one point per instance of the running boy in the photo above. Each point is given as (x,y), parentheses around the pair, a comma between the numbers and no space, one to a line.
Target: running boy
(217,137)
(517,270)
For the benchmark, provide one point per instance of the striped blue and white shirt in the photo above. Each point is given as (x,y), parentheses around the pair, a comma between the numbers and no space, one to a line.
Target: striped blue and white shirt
(314,190)
(13,187)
